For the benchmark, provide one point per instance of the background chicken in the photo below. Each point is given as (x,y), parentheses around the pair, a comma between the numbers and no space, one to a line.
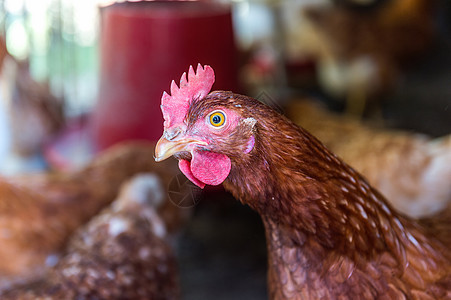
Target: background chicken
(123,253)
(361,53)
(411,170)
(38,213)
(330,235)
(30,113)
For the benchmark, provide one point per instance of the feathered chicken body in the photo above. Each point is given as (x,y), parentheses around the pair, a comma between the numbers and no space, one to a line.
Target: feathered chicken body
(330,235)
(411,170)
(123,253)
(361,54)
(39,212)
(33,114)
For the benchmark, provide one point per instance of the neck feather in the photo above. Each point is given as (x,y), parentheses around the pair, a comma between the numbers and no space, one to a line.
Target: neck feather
(292,180)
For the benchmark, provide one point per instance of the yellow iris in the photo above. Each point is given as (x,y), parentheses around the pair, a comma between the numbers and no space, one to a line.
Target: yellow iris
(217,118)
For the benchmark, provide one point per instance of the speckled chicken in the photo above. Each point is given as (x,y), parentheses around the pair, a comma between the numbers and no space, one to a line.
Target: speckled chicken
(411,170)
(123,253)
(38,213)
(330,235)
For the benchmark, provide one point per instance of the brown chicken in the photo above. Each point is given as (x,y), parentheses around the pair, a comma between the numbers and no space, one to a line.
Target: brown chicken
(35,114)
(38,213)
(123,253)
(360,54)
(411,170)
(330,235)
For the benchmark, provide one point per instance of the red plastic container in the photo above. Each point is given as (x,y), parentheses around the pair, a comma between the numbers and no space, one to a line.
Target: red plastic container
(144,46)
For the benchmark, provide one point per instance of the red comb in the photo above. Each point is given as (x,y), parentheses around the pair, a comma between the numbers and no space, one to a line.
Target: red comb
(176,105)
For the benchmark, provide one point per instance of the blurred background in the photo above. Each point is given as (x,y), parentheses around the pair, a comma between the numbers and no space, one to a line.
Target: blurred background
(77,77)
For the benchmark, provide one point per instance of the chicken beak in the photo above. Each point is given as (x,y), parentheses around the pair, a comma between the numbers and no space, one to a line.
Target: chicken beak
(166,148)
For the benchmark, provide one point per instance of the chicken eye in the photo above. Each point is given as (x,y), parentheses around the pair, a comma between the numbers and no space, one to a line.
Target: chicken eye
(217,118)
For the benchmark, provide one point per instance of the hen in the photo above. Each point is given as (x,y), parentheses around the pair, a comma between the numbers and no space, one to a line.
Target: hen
(32,115)
(38,213)
(123,253)
(361,54)
(330,235)
(411,170)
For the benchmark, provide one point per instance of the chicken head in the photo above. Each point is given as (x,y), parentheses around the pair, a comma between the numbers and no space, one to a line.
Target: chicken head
(200,135)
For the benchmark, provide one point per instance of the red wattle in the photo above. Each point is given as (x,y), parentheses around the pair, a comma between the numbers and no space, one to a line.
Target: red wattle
(210,167)
(185,167)
(206,168)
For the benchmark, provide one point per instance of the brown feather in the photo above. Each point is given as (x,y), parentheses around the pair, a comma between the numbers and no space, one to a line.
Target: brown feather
(410,170)
(39,212)
(123,253)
